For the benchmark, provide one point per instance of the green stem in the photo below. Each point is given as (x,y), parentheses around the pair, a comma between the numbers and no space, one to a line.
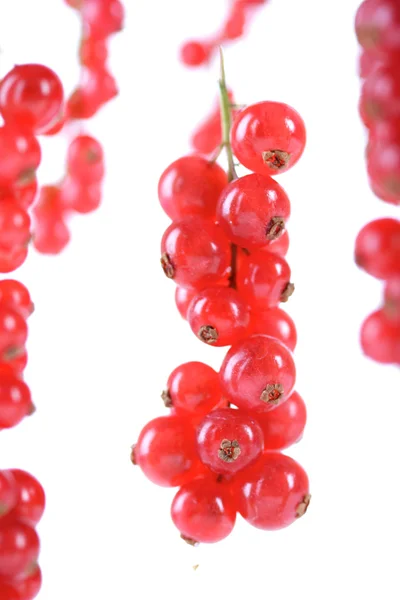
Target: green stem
(226,120)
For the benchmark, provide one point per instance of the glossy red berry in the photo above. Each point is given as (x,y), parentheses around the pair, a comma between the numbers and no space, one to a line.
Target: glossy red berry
(193,388)
(229,440)
(195,253)
(203,511)
(166,451)
(13,332)
(191,186)
(392,299)
(51,236)
(380,338)
(31,94)
(15,400)
(93,52)
(98,86)
(79,197)
(20,156)
(377,249)
(85,160)
(15,224)
(103,17)
(15,363)
(264,280)
(284,425)
(29,587)
(26,194)
(31,498)
(15,295)
(384,170)
(8,493)
(378,26)
(218,316)
(277,324)
(19,549)
(380,96)
(268,137)
(12,258)
(253,211)
(194,54)
(258,371)
(367,63)
(183,298)
(274,492)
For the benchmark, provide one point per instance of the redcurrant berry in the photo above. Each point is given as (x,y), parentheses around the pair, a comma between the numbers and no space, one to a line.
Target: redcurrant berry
(194,54)
(380,338)
(13,332)
(268,137)
(14,224)
(51,236)
(193,388)
(15,401)
(392,299)
(380,96)
(19,549)
(253,211)
(8,493)
(274,492)
(367,63)
(218,316)
(12,258)
(195,253)
(29,587)
(103,17)
(166,451)
(14,364)
(93,52)
(275,323)
(378,25)
(32,95)
(203,511)
(384,169)
(9,592)
(20,156)
(85,160)
(284,425)
(191,186)
(15,295)
(80,197)
(258,371)
(26,194)
(30,498)
(183,298)
(229,440)
(377,249)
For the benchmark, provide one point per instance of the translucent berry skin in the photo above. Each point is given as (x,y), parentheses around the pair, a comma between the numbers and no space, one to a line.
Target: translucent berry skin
(15,401)
(26,194)
(12,258)
(29,587)
(229,440)
(14,364)
(194,54)
(248,209)
(13,332)
(183,298)
(380,96)
(85,159)
(268,137)
(279,246)
(273,493)
(8,493)
(218,316)
(31,499)
(258,371)
(80,197)
(392,299)
(197,253)
(103,17)
(20,155)
(15,295)
(276,323)
(378,26)
(203,511)
(383,163)
(31,94)
(284,425)
(377,248)
(51,236)
(191,186)
(93,52)
(19,549)
(194,388)
(380,338)
(15,224)
(262,280)
(166,451)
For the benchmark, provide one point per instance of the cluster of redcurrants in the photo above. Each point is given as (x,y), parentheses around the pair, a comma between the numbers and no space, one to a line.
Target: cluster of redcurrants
(22,503)
(225,251)
(378,244)
(195,53)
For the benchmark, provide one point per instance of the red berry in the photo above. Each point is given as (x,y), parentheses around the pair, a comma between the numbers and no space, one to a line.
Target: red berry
(56,126)
(14,224)
(81,105)
(264,280)
(15,401)
(8,493)
(20,155)
(191,186)
(253,210)
(93,52)
(13,332)
(85,160)
(51,236)
(103,17)
(274,492)
(26,194)
(99,86)
(193,387)
(384,169)
(194,54)
(378,25)
(279,246)
(203,511)
(9,592)
(268,137)
(380,338)
(218,316)
(380,96)
(275,323)
(31,94)
(392,299)
(183,298)
(377,248)
(15,363)
(258,371)
(11,259)
(29,587)
(15,295)
(235,24)
(166,451)
(284,425)
(229,440)
(19,549)
(367,63)
(30,500)
(195,253)
(80,197)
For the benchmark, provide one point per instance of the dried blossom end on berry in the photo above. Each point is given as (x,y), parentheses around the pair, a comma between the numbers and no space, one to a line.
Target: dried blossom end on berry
(272,394)
(133,455)
(166,398)
(208,334)
(287,292)
(276,159)
(229,450)
(303,506)
(189,540)
(167,266)
(275,228)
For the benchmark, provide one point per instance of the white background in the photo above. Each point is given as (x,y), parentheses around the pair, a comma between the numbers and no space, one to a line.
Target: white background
(105,334)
